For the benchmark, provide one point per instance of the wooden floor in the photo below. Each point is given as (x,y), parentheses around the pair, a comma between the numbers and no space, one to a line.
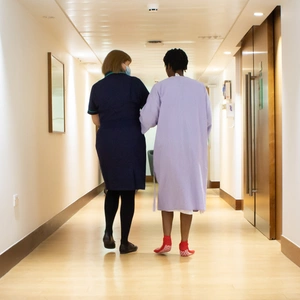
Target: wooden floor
(233,261)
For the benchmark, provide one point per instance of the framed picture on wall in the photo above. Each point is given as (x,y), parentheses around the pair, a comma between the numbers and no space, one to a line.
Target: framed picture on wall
(56,94)
(227,89)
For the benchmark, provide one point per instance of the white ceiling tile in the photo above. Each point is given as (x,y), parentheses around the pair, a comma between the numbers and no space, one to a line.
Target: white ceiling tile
(128,25)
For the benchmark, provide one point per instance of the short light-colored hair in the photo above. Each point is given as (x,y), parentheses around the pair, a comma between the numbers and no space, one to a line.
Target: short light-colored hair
(114,60)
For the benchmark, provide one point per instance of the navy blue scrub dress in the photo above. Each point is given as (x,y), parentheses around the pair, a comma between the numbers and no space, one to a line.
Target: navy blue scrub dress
(120,145)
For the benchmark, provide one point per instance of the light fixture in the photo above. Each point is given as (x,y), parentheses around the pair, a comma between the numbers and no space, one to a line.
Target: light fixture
(258,14)
(227,52)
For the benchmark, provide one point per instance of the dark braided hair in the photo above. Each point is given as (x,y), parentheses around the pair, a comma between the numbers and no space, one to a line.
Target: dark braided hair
(177,59)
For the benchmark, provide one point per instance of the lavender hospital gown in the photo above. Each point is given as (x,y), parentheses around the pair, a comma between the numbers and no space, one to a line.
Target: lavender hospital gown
(180,108)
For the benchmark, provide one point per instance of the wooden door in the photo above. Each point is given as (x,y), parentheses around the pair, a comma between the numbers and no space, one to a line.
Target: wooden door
(258,69)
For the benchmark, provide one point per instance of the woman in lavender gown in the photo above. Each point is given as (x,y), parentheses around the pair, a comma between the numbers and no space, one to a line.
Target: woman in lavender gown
(180,108)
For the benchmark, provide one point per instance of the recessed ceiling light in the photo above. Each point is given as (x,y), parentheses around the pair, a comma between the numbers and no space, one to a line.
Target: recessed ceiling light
(227,52)
(258,14)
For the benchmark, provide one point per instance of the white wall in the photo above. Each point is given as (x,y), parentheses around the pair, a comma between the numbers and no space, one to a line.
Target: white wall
(214,138)
(231,138)
(47,171)
(291,120)
(226,139)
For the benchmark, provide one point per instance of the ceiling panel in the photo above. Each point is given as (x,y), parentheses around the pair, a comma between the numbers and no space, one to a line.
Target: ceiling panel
(202,28)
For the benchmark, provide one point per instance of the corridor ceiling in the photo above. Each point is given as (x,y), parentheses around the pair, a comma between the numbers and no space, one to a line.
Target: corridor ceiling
(146,29)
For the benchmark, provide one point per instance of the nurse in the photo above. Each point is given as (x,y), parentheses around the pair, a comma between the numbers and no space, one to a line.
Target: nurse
(180,108)
(115,103)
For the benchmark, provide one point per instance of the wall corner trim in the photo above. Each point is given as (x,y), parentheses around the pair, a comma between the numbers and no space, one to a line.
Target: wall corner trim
(16,253)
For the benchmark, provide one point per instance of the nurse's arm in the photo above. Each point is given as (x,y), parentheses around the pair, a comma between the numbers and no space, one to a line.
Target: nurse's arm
(96,120)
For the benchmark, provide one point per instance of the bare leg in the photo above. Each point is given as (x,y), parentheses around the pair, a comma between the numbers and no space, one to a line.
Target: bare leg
(167,222)
(185,225)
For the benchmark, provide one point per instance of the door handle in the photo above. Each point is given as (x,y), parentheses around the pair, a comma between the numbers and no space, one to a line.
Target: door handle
(248,133)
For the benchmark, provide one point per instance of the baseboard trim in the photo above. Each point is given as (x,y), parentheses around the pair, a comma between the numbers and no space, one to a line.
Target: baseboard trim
(16,253)
(149,178)
(237,204)
(290,250)
(213,184)
(210,184)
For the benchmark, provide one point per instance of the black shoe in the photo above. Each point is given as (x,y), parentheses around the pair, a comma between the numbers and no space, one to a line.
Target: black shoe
(127,248)
(108,241)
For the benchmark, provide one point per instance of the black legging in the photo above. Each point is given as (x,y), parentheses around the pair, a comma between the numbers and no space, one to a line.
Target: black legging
(111,205)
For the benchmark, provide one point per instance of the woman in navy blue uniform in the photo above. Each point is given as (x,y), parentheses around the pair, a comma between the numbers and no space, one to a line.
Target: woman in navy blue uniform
(115,104)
